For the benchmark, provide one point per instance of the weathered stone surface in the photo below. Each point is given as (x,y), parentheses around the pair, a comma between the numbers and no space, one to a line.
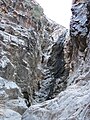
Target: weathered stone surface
(12,91)
(71,104)
(26,39)
(7,114)
(18,105)
(74,102)
(80,38)
(11,96)
(52,82)
(44,60)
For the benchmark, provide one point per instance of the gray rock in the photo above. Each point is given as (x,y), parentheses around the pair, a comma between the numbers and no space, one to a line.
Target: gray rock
(26,35)
(38,56)
(12,91)
(73,103)
(17,105)
(7,114)
(11,96)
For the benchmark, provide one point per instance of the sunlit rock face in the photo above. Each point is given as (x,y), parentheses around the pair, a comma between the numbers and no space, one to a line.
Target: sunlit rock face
(74,102)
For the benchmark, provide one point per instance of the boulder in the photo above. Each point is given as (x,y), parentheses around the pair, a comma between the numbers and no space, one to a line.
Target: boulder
(71,104)
(7,114)
(11,96)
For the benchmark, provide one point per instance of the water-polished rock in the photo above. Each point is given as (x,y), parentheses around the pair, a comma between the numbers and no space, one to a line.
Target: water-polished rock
(11,96)
(7,114)
(71,104)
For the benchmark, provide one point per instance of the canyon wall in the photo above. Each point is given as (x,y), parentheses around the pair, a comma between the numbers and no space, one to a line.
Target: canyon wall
(43,65)
(73,103)
(27,40)
(26,37)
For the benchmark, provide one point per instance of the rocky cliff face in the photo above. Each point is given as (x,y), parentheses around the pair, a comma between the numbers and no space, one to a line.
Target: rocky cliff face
(74,102)
(28,41)
(26,37)
(49,64)
(21,40)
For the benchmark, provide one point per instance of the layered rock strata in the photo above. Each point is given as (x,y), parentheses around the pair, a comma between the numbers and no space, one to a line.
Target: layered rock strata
(26,40)
(74,102)
(50,65)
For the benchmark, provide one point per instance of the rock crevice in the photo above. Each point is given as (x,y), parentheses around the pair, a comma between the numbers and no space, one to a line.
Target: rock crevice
(44,64)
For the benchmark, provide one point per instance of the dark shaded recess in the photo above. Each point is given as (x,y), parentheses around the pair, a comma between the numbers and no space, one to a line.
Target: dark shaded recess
(83,44)
(1,37)
(26,96)
(2,29)
(11,30)
(88,15)
(51,87)
(79,42)
(31,42)
(39,25)
(28,45)
(56,64)
(42,61)
(57,68)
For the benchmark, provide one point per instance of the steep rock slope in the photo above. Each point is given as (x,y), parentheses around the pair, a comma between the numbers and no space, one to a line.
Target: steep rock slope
(20,43)
(74,102)
(55,72)
(27,40)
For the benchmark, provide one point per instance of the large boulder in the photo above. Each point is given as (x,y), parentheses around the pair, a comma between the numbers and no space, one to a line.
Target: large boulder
(71,104)
(11,96)
(7,114)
